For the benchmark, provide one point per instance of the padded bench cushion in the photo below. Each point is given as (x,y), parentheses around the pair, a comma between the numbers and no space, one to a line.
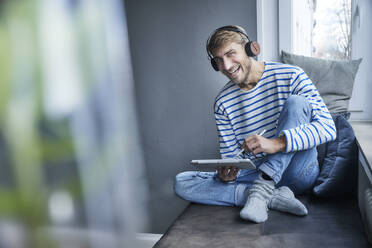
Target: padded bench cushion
(330,223)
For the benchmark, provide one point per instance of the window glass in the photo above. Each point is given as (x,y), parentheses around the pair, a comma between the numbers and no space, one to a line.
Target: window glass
(331,36)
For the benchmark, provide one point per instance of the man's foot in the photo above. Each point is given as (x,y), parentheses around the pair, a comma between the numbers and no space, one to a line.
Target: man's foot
(284,200)
(259,195)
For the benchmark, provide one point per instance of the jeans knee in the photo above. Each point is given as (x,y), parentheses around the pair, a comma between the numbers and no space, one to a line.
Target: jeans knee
(297,101)
(297,105)
(184,176)
(180,181)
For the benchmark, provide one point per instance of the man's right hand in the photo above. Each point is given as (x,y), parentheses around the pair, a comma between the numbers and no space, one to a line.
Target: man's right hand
(227,173)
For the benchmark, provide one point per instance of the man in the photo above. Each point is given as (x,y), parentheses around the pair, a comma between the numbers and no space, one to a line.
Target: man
(274,97)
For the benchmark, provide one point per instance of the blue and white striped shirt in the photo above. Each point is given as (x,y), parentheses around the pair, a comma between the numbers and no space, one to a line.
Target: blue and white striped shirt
(241,113)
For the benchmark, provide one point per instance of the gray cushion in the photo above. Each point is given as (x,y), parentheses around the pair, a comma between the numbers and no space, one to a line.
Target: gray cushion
(334,79)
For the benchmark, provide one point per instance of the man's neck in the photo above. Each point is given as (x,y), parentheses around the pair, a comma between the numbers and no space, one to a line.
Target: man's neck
(255,74)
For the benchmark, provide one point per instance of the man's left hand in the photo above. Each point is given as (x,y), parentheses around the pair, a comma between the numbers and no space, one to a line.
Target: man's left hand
(257,144)
(227,173)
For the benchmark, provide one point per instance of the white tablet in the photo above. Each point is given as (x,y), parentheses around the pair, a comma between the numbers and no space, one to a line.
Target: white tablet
(213,164)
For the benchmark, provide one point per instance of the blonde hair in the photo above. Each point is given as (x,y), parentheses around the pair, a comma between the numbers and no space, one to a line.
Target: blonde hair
(222,36)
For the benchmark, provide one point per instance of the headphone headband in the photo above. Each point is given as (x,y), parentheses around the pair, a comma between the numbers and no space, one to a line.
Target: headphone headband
(233,29)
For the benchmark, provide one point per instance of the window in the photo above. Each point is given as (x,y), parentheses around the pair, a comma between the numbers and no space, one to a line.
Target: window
(331,36)
(322,28)
(340,30)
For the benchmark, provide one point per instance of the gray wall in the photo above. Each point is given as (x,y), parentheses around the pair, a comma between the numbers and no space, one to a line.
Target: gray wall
(176,87)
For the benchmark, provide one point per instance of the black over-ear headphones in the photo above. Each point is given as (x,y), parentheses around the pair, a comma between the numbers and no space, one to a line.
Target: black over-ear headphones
(252,48)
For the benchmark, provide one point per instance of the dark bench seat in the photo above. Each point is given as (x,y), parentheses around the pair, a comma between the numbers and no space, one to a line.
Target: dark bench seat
(330,223)
(333,222)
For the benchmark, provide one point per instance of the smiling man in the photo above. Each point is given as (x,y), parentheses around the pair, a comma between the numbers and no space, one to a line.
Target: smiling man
(274,97)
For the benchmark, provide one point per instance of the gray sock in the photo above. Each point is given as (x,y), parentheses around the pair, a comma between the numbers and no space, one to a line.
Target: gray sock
(284,200)
(259,195)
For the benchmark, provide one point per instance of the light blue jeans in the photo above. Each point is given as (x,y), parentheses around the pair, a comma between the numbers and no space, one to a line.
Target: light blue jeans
(297,170)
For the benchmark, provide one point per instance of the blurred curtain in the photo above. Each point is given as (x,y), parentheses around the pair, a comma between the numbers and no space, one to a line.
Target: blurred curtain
(68,127)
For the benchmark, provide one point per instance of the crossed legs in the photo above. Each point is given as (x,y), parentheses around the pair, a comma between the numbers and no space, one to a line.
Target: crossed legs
(291,172)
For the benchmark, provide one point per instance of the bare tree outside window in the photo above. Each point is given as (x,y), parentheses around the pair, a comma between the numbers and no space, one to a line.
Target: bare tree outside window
(331,36)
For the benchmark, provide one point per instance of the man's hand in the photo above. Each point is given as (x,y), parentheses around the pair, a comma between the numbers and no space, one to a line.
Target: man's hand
(227,173)
(257,144)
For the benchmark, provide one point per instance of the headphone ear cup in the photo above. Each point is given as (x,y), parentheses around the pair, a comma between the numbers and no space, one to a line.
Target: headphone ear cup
(252,48)
(214,65)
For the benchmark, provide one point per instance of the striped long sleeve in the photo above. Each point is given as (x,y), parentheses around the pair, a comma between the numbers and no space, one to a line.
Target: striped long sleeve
(229,145)
(321,129)
(240,113)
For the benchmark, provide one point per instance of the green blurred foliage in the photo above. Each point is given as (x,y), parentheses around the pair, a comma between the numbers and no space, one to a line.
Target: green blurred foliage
(5,58)
(36,141)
